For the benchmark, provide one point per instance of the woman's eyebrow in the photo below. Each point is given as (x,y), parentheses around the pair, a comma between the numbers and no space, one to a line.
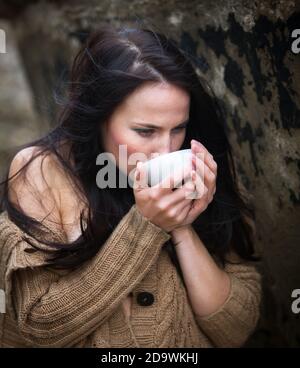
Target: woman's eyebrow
(156,126)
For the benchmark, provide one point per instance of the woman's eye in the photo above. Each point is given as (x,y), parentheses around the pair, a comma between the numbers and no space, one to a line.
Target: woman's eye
(144,132)
(149,132)
(179,129)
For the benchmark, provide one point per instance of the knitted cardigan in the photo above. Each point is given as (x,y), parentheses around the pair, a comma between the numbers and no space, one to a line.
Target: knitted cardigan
(83,307)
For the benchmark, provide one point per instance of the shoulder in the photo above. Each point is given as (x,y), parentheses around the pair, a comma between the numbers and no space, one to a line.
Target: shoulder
(39,164)
(42,174)
(35,188)
(46,191)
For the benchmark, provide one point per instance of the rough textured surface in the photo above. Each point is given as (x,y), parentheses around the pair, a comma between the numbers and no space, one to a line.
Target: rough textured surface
(18,120)
(243,49)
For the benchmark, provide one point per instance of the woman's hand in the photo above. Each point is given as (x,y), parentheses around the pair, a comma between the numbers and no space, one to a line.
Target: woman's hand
(206,188)
(160,204)
(204,177)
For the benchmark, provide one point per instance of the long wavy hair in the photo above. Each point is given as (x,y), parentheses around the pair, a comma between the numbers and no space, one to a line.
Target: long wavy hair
(109,66)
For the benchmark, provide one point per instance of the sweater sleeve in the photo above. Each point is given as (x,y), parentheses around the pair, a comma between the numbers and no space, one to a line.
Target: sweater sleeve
(236,319)
(52,310)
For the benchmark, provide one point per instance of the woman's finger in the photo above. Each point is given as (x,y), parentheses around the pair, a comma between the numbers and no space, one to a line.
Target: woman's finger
(183,204)
(184,210)
(180,208)
(200,187)
(199,150)
(201,167)
(170,182)
(180,194)
(208,191)
(140,177)
(197,209)
(209,176)
(201,202)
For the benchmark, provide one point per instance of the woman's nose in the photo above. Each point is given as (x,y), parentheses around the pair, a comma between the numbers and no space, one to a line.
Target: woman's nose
(164,145)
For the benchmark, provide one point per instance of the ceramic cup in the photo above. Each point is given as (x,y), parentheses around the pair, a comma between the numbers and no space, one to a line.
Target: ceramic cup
(178,163)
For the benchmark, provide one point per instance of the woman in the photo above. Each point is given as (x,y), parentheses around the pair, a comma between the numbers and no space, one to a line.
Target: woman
(84,266)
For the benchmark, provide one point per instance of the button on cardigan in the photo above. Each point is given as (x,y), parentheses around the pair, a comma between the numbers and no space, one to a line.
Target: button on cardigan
(145,298)
(83,307)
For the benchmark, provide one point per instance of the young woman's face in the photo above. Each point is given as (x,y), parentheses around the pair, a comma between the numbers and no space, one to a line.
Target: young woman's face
(152,119)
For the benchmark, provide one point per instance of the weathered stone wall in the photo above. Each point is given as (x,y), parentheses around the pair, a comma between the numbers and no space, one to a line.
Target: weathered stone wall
(18,121)
(243,49)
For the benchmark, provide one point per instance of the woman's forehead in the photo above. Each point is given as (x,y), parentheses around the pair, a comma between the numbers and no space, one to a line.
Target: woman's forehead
(156,106)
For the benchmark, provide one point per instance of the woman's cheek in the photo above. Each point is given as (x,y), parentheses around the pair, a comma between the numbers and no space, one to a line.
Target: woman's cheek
(119,140)
(134,149)
(142,150)
(125,147)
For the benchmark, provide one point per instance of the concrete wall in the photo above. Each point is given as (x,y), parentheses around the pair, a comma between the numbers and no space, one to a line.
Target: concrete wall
(243,49)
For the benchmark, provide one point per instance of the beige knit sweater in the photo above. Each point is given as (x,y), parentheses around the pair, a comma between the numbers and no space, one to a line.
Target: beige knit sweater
(83,307)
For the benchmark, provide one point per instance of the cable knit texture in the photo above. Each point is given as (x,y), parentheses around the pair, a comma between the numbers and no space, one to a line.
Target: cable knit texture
(83,307)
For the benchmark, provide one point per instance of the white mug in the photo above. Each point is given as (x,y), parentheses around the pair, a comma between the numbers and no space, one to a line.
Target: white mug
(178,163)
